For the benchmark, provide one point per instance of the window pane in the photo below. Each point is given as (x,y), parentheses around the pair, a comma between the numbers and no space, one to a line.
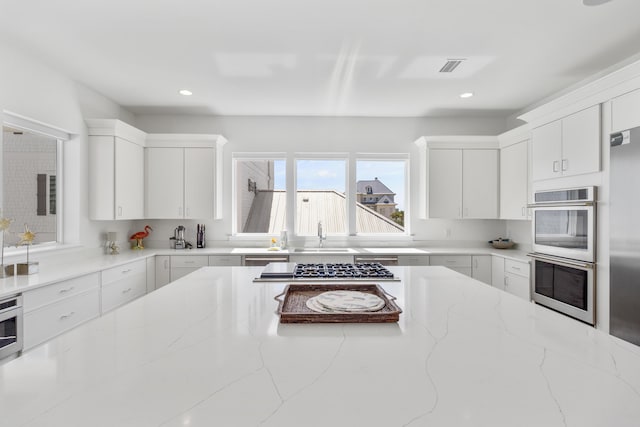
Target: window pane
(380,195)
(29,163)
(261,196)
(320,197)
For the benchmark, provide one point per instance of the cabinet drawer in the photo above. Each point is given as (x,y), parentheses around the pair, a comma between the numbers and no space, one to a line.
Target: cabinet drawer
(53,319)
(413,260)
(121,292)
(228,260)
(516,267)
(189,261)
(116,273)
(451,260)
(59,291)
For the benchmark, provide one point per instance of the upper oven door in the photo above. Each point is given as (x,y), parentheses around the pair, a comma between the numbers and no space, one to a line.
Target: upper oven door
(565,231)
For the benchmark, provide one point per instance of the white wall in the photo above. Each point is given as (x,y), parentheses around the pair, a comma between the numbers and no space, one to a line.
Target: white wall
(31,88)
(328,134)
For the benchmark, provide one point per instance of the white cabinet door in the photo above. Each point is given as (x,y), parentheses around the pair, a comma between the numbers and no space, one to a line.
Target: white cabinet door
(514,181)
(480,183)
(129,180)
(497,272)
(481,268)
(517,285)
(445,183)
(101,178)
(163,270)
(413,260)
(225,260)
(123,284)
(199,165)
(164,182)
(546,151)
(624,111)
(581,142)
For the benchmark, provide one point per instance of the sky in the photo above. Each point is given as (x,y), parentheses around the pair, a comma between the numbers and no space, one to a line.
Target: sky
(331,174)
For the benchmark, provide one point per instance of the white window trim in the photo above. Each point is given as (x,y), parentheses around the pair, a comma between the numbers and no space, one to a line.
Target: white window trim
(27,124)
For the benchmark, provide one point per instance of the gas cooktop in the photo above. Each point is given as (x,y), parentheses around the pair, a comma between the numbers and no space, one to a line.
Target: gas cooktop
(349,272)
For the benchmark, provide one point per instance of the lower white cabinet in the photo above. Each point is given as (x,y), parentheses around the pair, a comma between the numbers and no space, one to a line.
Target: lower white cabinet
(123,284)
(181,265)
(225,260)
(54,309)
(497,272)
(321,259)
(163,270)
(413,260)
(460,263)
(516,278)
(481,268)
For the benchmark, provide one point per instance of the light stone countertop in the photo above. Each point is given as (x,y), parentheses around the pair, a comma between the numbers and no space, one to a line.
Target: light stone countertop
(208,350)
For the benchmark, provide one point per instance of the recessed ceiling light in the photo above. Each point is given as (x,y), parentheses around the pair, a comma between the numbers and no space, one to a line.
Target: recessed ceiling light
(466,95)
(186,92)
(594,2)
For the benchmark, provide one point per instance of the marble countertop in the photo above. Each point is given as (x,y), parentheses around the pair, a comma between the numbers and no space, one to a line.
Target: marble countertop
(208,349)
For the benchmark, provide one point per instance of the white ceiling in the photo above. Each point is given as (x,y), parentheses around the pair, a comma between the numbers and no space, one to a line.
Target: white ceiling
(325,57)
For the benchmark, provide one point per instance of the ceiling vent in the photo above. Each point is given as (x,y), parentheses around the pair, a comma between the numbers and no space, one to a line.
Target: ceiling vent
(451,65)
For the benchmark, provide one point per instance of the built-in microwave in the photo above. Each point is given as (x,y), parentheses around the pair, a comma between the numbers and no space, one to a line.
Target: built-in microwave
(564,223)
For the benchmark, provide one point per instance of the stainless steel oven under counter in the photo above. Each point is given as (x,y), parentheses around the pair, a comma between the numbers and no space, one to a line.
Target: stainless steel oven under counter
(10,326)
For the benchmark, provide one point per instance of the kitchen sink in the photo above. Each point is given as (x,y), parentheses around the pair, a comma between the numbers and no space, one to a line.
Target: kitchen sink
(315,250)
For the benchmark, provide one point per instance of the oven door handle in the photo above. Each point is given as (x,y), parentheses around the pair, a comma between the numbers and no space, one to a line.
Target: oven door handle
(563,262)
(559,204)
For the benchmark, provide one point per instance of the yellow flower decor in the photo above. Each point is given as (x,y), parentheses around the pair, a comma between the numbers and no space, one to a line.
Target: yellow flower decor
(27,237)
(5,223)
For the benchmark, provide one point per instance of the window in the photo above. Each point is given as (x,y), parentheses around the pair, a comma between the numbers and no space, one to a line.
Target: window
(321,197)
(349,196)
(29,170)
(260,191)
(385,181)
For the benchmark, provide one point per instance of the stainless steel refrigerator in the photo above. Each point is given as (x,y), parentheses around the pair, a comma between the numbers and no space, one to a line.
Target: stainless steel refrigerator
(625,236)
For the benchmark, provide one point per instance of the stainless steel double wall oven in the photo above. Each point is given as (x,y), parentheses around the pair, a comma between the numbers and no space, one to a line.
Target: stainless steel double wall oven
(564,257)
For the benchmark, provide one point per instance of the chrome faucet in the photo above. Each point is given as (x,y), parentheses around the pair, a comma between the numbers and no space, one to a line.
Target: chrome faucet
(321,235)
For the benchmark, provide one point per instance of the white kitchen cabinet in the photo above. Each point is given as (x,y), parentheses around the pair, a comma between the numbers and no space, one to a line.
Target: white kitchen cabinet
(624,111)
(497,272)
(481,268)
(163,270)
(445,183)
(567,147)
(321,259)
(54,309)
(460,263)
(123,284)
(409,260)
(514,181)
(180,175)
(480,170)
(151,274)
(516,278)
(225,260)
(463,183)
(116,170)
(181,265)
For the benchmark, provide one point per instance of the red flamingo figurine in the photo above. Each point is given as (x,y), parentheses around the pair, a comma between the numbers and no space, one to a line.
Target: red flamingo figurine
(139,236)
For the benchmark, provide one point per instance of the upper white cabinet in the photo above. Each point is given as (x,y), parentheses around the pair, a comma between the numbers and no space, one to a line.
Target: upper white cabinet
(116,170)
(180,177)
(514,181)
(463,183)
(567,147)
(624,111)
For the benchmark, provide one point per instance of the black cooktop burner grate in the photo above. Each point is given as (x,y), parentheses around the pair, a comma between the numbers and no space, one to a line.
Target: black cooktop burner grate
(360,271)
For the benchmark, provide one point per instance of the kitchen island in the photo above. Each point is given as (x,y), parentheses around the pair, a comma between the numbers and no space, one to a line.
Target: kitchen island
(208,349)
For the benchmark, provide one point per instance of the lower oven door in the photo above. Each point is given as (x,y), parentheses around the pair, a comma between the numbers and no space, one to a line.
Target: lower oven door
(565,285)
(10,326)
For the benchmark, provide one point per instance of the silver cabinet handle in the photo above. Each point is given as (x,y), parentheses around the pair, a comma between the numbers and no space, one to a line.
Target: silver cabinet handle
(565,164)
(119,210)
(189,262)
(68,315)
(506,281)
(515,268)
(556,165)
(166,263)
(64,291)
(126,290)
(126,271)
(523,211)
